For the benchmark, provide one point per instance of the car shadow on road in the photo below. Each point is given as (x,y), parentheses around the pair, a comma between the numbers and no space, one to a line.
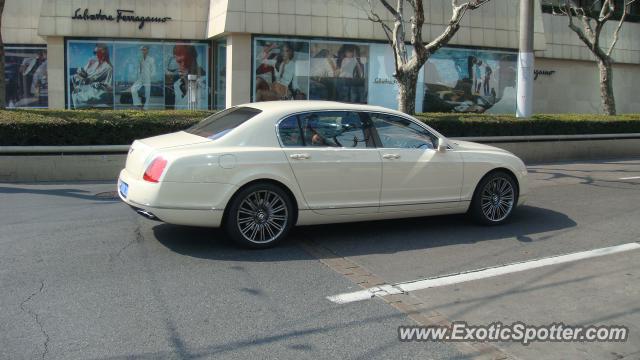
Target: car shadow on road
(374,237)
(76,193)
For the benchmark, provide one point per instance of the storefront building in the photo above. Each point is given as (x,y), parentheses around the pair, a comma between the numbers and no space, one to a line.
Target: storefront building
(212,54)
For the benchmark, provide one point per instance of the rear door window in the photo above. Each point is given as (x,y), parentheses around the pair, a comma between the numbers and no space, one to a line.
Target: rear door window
(289,131)
(333,129)
(220,123)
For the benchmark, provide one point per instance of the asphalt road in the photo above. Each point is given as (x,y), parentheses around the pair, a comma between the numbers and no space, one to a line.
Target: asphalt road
(83,277)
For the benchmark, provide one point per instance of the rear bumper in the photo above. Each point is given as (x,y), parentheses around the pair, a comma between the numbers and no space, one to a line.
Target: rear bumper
(142,196)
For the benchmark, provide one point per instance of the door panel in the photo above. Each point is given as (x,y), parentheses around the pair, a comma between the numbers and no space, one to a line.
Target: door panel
(338,180)
(414,175)
(420,179)
(338,170)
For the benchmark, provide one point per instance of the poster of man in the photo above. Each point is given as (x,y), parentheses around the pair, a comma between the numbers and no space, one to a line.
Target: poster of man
(90,74)
(461,80)
(339,72)
(182,60)
(138,76)
(282,70)
(25,74)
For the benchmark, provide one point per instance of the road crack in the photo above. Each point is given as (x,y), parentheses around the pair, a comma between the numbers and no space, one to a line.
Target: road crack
(138,238)
(37,318)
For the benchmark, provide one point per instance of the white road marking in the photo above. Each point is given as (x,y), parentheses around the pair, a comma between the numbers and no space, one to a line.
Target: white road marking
(403,287)
(630,178)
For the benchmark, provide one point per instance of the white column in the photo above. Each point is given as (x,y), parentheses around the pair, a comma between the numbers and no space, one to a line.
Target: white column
(524,103)
(238,81)
(55,72)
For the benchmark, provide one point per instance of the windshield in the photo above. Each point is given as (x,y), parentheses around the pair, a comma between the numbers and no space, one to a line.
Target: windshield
(220,123)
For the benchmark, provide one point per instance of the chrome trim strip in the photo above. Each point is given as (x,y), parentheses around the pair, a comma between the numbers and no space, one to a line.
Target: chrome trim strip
(390,205)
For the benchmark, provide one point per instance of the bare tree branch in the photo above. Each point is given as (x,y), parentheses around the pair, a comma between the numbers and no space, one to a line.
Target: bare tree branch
(373,16)
(616,33)
(454,23)
(390,9)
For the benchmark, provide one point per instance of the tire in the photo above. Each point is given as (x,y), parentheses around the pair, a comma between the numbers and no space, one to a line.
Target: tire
(494,199)
(259,216)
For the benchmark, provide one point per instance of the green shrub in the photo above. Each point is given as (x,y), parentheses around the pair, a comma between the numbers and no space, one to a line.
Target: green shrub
(89,127)
(460,125)
(121,127)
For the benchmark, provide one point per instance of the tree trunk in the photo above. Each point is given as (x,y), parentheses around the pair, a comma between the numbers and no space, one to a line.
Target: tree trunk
(407,83)
(606,87)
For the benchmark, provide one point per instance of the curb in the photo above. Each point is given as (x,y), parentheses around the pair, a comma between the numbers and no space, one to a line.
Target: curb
(104,162)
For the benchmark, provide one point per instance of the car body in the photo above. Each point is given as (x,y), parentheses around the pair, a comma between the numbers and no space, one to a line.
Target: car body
(333,162)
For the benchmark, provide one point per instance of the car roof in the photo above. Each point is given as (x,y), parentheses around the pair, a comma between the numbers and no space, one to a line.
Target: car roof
(293,106)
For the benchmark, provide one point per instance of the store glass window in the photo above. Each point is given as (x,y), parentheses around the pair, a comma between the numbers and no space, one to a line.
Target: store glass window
(339,72)
(281,70)
(470,81)
(452,80)
(25,73)
(137,74)
(220,74)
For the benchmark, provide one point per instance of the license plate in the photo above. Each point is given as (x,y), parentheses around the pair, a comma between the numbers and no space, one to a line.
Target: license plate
(123,188)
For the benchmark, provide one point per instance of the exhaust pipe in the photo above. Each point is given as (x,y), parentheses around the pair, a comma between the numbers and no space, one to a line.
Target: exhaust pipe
(145,213)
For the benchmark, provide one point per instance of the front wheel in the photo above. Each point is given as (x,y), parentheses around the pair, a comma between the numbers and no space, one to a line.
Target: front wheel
(259,216)
(494,199)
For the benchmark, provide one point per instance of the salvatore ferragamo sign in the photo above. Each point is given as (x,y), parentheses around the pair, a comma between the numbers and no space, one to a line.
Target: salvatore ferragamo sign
(121,15)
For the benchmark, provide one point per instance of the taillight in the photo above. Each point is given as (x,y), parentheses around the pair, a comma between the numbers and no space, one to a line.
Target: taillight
(155,169)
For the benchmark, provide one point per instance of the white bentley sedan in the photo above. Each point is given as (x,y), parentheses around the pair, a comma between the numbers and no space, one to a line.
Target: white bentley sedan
(258,169)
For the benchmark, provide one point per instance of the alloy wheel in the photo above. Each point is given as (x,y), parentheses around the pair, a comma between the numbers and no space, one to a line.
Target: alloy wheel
(262,216)
(497,199)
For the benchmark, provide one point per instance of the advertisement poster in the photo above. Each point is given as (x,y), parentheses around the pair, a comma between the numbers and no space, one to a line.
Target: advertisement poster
(180,61)
(281,70)
(90,74)
(25,73)
(136,75)
(383,87)
(339,72)
(138,79)
(465,80)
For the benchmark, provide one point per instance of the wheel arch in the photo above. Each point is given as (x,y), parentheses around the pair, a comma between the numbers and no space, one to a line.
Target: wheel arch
(277,183)
(504,170)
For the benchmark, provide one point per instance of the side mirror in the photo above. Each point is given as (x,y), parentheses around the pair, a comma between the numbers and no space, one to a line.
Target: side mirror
(441,145)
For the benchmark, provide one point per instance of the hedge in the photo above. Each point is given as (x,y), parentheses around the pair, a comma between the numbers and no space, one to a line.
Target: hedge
(89,127)
(107,127)
(460,125)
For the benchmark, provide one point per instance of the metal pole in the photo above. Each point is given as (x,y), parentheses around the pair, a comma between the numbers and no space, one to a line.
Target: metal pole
(192,92)
(524,102)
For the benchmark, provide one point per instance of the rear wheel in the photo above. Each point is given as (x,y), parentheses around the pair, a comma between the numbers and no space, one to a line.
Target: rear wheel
(259,216)
(495,199)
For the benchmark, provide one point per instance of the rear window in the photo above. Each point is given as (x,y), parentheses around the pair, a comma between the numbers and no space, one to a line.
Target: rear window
(220,123)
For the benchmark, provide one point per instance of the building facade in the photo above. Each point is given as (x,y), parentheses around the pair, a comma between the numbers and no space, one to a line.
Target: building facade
(211,54)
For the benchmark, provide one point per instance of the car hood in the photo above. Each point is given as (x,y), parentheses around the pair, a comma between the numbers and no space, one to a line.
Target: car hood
(180,138)
(471,146)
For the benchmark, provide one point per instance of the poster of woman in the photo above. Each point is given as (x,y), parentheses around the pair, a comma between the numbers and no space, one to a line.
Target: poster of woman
(182,60)
(25,74)
(90,74)
(282,70)
(339,72)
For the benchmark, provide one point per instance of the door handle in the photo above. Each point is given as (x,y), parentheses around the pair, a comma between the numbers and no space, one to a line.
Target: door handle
(391,156)
(299,156)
